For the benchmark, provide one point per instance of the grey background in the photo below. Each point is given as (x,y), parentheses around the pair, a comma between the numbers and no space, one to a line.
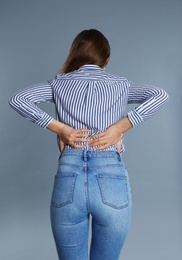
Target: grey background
(146,41)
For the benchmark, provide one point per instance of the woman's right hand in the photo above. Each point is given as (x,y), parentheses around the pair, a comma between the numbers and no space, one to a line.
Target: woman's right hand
(72,137)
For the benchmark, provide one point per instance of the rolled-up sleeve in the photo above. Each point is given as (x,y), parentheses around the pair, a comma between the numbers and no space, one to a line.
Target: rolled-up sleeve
(151,100)
(25,103)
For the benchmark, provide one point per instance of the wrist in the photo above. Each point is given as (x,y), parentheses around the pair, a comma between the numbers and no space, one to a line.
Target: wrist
(56,126)
(124,125)
(118,128)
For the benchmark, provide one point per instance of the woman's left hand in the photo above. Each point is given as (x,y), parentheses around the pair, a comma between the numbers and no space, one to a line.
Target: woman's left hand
(107,138)
(69,135)
(112,135)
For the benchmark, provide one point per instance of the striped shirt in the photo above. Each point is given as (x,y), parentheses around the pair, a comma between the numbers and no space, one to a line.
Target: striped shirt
(89,98)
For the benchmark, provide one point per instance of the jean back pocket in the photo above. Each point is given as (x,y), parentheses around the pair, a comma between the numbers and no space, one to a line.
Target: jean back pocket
(63,190)
(114,190)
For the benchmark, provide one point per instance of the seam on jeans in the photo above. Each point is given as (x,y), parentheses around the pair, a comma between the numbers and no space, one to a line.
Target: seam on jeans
(86,190)
(71,224)
(105,166)
(86,180)
(71,154)
(70,164)
(102,156)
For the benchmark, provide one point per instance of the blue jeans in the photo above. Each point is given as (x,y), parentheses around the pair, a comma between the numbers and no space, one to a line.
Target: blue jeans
(90,183)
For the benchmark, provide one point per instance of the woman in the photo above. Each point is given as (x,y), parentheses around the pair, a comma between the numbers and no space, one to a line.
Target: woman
(91,179)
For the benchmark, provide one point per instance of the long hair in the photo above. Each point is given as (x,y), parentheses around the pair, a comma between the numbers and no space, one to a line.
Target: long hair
(89,47)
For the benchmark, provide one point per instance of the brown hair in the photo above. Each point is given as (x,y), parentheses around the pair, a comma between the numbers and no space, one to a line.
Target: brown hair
(89,47)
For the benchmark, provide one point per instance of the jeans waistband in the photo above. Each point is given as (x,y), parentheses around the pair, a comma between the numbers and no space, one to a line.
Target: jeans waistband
(90,153)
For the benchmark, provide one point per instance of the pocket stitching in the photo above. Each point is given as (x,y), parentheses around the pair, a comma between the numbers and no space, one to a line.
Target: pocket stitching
(70,197)
(99,177)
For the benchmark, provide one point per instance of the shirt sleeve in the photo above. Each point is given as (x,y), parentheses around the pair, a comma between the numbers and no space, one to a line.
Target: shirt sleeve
(25,103)
(151,100)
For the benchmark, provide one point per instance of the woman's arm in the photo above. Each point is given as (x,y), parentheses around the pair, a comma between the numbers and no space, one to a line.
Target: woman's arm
(25,103)
(151,100)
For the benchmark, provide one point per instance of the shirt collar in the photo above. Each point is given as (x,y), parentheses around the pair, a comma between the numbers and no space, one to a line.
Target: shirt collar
(90,67)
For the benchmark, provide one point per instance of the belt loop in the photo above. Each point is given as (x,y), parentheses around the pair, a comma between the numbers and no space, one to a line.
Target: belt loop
(86,146)
(119,156)
(85,155)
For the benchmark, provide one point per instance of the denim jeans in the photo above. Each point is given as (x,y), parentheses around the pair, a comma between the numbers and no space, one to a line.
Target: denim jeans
(90,183)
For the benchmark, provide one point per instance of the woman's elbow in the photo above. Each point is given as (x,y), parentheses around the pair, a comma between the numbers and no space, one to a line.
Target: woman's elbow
(13,101)
(163,95)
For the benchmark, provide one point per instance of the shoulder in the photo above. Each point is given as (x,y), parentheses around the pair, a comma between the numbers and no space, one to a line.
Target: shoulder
(116,77)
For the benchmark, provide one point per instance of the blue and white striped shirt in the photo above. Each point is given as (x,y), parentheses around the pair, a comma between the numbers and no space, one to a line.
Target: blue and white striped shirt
(89,98)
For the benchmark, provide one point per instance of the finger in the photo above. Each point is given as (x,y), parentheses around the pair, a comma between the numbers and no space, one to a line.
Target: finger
(77,139)
(82,135)
(99,141)
(98,135)
(102,147)
(82,130)
(79,146)
(73,145)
